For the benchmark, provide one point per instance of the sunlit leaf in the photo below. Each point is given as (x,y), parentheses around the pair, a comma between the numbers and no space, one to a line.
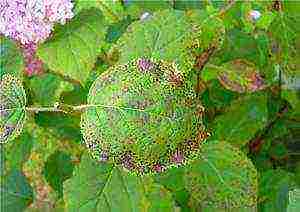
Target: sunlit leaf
(74,47)
(104,187)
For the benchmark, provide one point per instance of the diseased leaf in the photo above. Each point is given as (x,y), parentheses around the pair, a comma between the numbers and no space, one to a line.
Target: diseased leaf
(240,122)
(143,116)
(240,76)
(11,59)
(12,108)
(222,178)
(57,169)
(74,47)
(104,187)
(16,192)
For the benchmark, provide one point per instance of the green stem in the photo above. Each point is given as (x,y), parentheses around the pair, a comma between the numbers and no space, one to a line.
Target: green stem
(43,109)
(69,108)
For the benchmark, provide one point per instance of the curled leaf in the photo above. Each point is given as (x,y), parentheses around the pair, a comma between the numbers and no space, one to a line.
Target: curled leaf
(240,76)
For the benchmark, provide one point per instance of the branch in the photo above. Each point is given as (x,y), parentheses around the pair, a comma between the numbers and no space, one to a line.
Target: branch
(255,143)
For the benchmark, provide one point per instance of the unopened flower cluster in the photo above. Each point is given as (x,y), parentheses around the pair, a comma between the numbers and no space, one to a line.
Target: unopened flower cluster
(31,21)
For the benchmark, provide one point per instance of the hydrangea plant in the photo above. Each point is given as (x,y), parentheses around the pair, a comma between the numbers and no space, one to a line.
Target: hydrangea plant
(149,105)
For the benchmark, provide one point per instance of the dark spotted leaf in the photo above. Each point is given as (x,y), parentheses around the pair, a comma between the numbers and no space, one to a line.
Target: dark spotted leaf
(222,179)
(12,108)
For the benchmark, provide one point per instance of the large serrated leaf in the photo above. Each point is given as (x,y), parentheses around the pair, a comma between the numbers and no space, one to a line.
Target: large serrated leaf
(16,192)
(169,35)
(11,59)
(74,47)
(222,178)
(12,108)
(240,122)
(103,187)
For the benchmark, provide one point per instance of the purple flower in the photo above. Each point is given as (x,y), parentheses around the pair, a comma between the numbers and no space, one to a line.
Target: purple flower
(33,65)
(32,20)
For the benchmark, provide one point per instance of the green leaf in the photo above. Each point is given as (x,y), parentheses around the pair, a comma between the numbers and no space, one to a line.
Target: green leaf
(115,30)
(217,96)
(241,120)
(274,186)
(16,192)
(187,5)
(222,178)
(12,108)
(73,49)
(111,9)
(137,8)
(63,125)
(47,88)
(240,45)
(11,58)
(103,187)
(173,180)
(57,169)
(18,152)
(170,35)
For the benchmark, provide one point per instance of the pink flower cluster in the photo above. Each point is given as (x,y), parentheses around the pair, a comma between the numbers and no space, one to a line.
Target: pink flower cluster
(34,66)
(31,21)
